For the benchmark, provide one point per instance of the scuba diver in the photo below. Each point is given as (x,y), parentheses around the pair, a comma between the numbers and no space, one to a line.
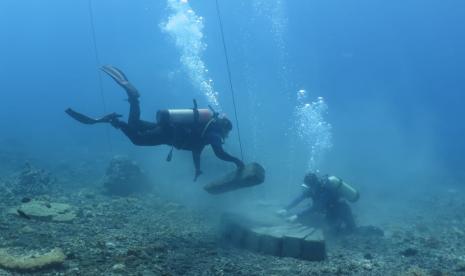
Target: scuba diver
(186,129)
(328,195)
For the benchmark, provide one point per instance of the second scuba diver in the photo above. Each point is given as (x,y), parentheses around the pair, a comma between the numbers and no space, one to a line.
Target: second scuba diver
(187,129)
(329,196)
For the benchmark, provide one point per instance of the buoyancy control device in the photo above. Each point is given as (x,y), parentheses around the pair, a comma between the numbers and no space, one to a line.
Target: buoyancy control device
(186,118)
(345,190)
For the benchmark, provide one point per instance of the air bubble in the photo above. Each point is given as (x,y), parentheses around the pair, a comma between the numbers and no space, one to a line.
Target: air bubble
(186,28)
(312,128)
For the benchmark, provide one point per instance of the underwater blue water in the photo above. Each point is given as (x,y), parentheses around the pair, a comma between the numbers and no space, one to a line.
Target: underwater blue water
(390,74)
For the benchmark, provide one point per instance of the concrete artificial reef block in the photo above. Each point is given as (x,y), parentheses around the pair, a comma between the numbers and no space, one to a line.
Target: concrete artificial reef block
(252,174)
(283,240)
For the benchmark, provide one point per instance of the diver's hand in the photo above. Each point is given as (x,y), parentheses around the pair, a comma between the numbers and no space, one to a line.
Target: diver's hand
(281,212)
(292,218)
(197,174)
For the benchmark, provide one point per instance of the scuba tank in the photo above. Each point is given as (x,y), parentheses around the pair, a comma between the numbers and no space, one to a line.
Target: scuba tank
(184,116)
(345,190)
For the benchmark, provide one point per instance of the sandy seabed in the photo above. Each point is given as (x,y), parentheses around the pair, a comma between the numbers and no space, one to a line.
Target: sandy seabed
(149,235)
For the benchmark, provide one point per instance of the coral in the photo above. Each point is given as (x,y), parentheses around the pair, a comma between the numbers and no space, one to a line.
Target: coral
(124,177)
(416,271)
(31,261)
(58,212)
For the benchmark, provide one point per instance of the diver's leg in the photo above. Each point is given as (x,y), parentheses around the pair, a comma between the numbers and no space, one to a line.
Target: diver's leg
(333,221)
(134,117)
(340,218)
(133,97)
(345,212)
(134,112)
(140,132)
(154,136)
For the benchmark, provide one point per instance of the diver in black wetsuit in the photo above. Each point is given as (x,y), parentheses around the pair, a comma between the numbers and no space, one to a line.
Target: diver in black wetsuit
(193,137)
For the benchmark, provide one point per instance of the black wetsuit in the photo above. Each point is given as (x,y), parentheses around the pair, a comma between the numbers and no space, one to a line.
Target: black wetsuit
(193,138)
(142,133)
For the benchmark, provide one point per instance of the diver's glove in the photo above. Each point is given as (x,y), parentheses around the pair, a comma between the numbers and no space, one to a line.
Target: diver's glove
(292,218)
(197,174)
(281,212)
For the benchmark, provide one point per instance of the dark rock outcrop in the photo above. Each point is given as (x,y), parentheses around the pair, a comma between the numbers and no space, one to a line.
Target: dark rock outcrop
(124,177)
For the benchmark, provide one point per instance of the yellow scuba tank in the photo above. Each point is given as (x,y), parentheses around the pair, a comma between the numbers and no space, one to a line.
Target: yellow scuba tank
(183,116)
(345,190)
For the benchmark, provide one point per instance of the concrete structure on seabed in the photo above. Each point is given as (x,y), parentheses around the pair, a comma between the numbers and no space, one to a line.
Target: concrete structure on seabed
(274,237)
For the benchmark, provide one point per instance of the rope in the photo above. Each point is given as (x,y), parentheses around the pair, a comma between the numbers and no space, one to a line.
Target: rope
(229,76)
(97,61)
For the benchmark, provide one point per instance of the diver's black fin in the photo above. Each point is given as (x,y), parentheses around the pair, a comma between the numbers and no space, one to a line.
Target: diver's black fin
(115,73)
(90,121)
(120,78)
(81,117)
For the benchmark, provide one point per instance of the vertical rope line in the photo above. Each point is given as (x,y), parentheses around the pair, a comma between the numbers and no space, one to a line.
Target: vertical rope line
(229,76)
(97,61)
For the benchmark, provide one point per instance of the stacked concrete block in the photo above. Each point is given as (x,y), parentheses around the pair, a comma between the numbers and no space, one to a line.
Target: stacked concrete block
(252,240)
(291,246)
(269,240)
(286,240)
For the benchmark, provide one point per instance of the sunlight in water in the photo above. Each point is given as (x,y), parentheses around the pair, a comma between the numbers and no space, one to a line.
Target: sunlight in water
(186,28)
(312,128)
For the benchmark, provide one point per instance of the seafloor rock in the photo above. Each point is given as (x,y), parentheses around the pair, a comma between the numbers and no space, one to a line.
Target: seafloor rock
(49,211)
(284,240)
(124,177)
(32,181)
(118,267)
(253,174)
(31,261)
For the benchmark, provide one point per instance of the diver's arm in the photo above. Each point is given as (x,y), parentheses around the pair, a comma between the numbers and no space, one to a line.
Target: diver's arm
(296,201)
(196,158)
(287,208)
(221,154)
